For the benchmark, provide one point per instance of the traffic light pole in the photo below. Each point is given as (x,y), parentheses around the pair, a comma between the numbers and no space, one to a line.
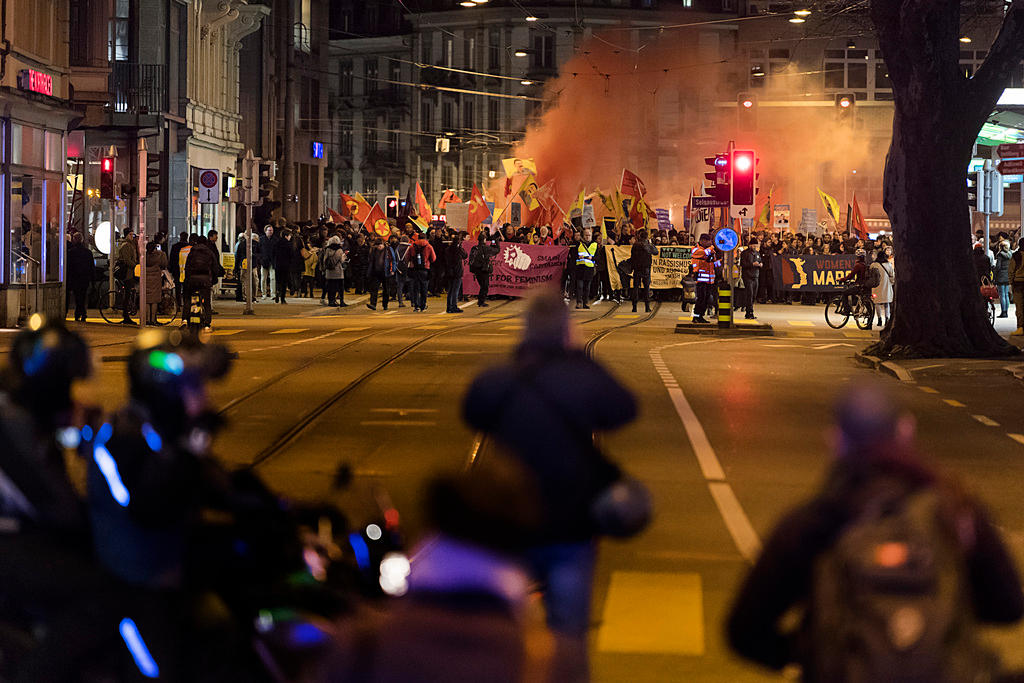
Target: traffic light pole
(141,241)
(250,172)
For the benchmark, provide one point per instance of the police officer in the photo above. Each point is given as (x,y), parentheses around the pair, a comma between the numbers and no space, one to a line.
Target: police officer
(586,257)
(704,262)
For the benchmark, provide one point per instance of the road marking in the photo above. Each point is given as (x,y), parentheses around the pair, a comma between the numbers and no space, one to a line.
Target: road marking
(929,390)
(822,347)
(656,613)
(403,411)
(431,327)
(225,333)
(290,330)
(626,316)
(856,334)
(397,423)
(736,520)
(1019,438)
(491,315)
(351,329)
(785,346)
(514,327)
(987,421)
(487,334)
(953,402)
(706,457)
(800,323)
(929,367)
(800,333)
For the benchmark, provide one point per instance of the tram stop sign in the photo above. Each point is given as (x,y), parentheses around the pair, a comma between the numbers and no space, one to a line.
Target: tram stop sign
(726,239)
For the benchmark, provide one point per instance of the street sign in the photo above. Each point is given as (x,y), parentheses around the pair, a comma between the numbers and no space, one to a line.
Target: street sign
(781,212)
(1009,151)
(209,186)
(726,239)
(708,202)
(1011,166)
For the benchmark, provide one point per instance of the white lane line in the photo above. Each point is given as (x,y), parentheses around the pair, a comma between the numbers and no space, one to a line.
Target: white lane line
(1019,438)
(736,520)
(929,367)
(225,333)
(822,347)
(290,330)
(987,421)
(929,390)
(706,457)
(291,343)
(397,423)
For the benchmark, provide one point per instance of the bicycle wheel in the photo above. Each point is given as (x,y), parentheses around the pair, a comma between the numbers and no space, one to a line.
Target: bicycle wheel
(863,311)
(836,314)
(167,310)
(992,312)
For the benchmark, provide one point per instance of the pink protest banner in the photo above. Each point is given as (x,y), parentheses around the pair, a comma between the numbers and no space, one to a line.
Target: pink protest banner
(518,268)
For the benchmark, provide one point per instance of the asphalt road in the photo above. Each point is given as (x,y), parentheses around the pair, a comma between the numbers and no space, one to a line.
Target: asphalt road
(732,433)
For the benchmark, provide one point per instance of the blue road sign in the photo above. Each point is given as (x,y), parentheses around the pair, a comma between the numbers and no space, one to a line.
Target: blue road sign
(726,239)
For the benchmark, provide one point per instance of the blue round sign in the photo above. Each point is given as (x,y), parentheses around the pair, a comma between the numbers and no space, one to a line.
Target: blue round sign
(726,239)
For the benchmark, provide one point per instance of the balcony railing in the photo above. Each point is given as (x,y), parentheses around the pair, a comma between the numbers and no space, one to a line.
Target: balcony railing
(138,88)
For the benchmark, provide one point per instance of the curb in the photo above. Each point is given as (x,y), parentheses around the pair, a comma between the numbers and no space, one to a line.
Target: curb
(1016,371)
(744,330)
(888,367)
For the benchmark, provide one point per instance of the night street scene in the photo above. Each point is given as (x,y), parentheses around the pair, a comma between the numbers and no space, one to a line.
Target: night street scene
(502,341)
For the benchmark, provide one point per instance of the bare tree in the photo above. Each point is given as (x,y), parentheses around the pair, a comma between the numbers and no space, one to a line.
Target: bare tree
(938,114)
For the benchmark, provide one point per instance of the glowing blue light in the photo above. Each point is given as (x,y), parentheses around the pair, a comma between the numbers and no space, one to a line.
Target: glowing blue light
(153,439)
(306,634)
(69,437)
(360,548)
(137,646)
(168,362)
(37,359)
(108,467)
(86,433)
(104,434)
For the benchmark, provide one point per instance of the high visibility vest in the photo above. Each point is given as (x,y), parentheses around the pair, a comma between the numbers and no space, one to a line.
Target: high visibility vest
(585,254)
(182,257)
(703,264)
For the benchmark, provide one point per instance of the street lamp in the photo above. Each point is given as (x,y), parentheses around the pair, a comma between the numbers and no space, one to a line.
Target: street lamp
(531,18)
(520,53)
(797,20)
(802,12)
(965,39)
(526,82)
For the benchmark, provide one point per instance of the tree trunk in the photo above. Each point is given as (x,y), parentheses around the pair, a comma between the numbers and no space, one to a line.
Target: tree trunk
(938,308)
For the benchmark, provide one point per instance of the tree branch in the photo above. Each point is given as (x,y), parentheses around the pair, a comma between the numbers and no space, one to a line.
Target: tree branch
(1004,56)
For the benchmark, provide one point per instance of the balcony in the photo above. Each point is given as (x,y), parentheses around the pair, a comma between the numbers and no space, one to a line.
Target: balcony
(138,88)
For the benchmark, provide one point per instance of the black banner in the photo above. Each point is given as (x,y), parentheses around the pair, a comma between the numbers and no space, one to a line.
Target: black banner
(811,273)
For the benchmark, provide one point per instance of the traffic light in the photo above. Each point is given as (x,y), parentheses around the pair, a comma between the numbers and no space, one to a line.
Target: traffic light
(391,206)
(976,190)
(845,104)
(152,176)
(267,184)
(107,178)
(719,176)
(743,183)
(746,112)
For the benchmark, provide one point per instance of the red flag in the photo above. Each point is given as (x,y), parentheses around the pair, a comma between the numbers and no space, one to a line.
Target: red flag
(639,213)
(449,197)
(478,211)
(545,194)
(376,222)
(349,206)
(858,220)
(335,216)
(631,184)
(422,207)
(362,208)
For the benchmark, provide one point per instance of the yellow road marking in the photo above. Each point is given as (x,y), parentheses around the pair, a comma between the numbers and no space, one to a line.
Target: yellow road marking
(1019,438)
(514,327)
(987,421)
(431,327)
(626,316)
(929,390)
(856,334)
(953,402)
(290,330)
(799,333)
(224,333)
(800,323)
(659,612)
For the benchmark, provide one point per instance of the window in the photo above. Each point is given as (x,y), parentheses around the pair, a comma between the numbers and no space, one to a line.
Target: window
(345,141)
(26,145)
(493,115)
(370,143)
(396,76)
(52,239)
(426,114)
(494,50)
(426,50)
(447,176)
(470,60)
(882,76)
(447,114)
(117,37)
(371,73)
(835,75)
(449,52)
(345,78)
(26,228)
(305,114)
(544,51)
(778,54)
(54,158)
(467,114)
(393,144)
(857,75)
(303,24)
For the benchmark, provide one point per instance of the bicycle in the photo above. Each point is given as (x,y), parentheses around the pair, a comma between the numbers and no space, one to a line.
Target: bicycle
(166,313)
(854,302)
(989,293)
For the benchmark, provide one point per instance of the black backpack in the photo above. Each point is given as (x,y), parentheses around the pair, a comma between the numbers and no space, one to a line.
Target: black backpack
(890,599)
(419,259)
(477,260)
(874,277)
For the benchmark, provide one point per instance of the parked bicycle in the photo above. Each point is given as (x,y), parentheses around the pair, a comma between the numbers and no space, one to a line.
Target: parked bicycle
(166,313)
(853,302)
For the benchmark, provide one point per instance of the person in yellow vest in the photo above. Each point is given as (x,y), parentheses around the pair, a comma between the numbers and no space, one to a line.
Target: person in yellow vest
(586,256)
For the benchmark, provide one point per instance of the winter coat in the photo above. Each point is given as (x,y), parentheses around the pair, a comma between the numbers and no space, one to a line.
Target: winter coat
(156,264)
(381,262)
(882,294)
(282,255)
(81,266)
(484,254)
(543,407)
(454,257)
(641,255)
(428,254)
(200,266)
(750,262)
(1001,274)
(982,263)
(1017,269)
(309,269)
(334,262)
(267,245)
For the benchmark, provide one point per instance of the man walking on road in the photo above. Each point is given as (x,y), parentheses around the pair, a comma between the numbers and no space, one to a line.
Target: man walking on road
(640,256)
(704,262)
(419,259)
(585,252)
(481,266)
(750,265)
(454,256)
(543,407)
(380,272)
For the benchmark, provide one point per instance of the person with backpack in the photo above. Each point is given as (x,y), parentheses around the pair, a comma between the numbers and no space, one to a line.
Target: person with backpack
(891,565)
(401,247)
(454,256)
(380,272)
(420,257)
(481,266)
(880,279)
(334,271)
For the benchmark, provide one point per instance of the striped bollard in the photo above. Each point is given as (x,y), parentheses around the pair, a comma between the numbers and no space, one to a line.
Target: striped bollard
(724,306)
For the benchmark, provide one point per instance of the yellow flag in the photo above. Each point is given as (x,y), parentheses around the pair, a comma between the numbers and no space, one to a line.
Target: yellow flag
(764,216)
(577,205)
(831,206)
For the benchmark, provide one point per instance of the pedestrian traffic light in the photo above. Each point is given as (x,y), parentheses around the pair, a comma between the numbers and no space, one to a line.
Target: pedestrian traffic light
(742,183)
(391,206)
(152,179)
(845,104)
(107,178)
(746,112)
(267,184)
(976,190)
(719,176)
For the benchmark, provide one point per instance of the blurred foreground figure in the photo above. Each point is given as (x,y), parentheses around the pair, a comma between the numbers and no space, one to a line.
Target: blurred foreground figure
(891,564)
(466,617)
(543,407)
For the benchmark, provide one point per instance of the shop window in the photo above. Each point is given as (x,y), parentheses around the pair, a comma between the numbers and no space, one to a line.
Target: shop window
(26,228)
(54,152)
(26,145)
(52,238)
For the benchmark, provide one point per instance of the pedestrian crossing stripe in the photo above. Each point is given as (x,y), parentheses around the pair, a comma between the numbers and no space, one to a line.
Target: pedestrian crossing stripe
(225,333)
(660,613)
(800,323)
(290,330)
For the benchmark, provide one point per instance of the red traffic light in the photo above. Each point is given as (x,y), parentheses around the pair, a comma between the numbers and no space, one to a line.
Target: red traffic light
(108,165)
(743,176)
(743,161)
(844,102)
(747,103)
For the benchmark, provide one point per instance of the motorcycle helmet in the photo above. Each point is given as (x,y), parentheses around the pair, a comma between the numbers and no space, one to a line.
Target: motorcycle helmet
(45,360)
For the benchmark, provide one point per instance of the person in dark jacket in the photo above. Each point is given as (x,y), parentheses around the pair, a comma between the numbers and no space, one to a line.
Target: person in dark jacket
(481,264)
(640,255)
(750,270)
(981,262)
(875,452)
(454,256)
(81,268)
(175,265)
(200,269)
(282,265)
(267,244)
(360,254)
(380,272)
(1001,276)
(543,407)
